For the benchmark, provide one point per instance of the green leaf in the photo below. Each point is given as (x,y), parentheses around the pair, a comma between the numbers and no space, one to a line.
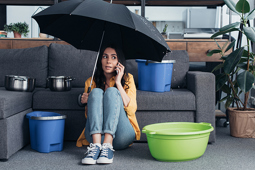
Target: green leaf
(225,44)
(250,33)
(232,60)
(251,15)
(218,67)
(243,6)
(236,91)
(231,5)
(236,71)
(243,60)
(220,80)
(239,93)
(245,53)
(245,81)
(242,66)
(212,52)
(228,102)
(226,89)
(229,27)
(230,45)
(224,57)
(225,98)
(217,44)
(224,32)
(252,68)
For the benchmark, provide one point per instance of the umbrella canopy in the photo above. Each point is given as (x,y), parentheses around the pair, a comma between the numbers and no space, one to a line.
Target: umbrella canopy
(83,23)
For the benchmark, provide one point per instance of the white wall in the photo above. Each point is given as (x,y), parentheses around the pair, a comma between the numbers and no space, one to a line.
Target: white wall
(23,14)
(159,14)
(176,17)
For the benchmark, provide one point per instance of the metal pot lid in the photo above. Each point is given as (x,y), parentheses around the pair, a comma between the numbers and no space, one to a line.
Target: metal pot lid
(49,117)
(61,77)
(15,76)
(163,61)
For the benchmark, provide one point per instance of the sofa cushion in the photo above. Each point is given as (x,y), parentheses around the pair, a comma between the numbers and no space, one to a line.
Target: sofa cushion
(176,99)
(180,68)
(12,102)
(66,60)
(32,62)
(66,100)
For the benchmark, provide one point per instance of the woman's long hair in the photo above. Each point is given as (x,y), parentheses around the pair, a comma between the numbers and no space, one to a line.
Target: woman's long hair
(100,78)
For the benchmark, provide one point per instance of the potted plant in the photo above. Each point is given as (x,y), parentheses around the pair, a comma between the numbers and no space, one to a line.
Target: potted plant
(237,77)
(17,28)
(164,31)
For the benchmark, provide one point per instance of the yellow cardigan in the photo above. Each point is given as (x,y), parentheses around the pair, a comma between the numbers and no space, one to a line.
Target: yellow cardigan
(130,109)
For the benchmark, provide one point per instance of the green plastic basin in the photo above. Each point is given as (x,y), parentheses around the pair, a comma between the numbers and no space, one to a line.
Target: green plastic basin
(177,141)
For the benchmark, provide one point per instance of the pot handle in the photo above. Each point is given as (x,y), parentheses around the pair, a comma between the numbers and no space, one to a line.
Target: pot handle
(70,79)
(19,78)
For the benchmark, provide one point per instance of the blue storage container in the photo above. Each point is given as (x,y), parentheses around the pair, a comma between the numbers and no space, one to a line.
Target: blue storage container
(46,131)
(155,76)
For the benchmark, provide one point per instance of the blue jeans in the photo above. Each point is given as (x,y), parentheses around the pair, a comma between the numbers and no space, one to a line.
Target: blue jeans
(106,114)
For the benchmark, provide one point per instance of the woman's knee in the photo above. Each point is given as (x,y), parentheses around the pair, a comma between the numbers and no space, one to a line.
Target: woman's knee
(111,91)
(95,93)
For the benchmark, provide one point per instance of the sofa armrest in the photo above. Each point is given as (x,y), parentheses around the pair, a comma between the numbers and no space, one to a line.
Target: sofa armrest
(202,84)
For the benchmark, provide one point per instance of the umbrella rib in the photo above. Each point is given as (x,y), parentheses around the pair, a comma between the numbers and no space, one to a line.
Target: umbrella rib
(75,8)
(96,60)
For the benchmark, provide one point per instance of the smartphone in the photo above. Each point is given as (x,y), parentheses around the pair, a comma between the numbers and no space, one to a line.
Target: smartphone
(117,70)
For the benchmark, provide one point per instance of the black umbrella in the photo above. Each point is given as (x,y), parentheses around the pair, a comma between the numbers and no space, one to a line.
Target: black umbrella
(81,23)
(87,24)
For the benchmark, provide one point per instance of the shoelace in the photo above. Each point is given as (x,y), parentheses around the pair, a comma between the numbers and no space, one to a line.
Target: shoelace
(105,148)
(91,150)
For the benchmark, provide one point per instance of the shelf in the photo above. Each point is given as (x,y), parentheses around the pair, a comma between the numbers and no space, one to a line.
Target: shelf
(209,3)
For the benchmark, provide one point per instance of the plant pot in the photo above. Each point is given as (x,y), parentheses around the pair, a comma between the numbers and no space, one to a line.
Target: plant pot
(16,35)
(164,35)
(42,35)
(242,123)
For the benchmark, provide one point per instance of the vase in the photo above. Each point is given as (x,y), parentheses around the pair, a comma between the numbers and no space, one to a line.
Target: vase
(16,35)
(242,123)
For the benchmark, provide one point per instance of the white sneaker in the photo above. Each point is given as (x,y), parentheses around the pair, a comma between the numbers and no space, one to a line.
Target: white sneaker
(106,155)
(93,152)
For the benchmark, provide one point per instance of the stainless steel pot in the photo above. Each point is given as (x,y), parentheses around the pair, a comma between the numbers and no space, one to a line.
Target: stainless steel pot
(60,83)
(19,83)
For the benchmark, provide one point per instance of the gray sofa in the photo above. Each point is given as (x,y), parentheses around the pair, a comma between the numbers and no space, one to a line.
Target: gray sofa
(191,99)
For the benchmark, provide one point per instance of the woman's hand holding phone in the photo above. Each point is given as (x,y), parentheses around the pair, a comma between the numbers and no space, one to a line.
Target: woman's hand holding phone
(120,72)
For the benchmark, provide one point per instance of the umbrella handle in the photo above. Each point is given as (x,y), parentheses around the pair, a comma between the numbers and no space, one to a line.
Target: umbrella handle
(79,101)
(89,89)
